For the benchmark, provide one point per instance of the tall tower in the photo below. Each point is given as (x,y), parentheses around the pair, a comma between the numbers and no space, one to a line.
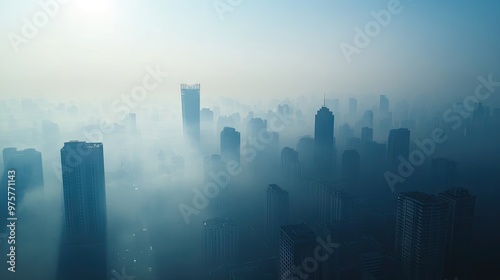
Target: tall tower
(443,173)
(324,146)
(28,166)
(330,202)
(460,222)
(305,148)
(353,107)
(398,144)
(84,192)
(220,242)
(190,95)
(421,235)
(212,167)
(384,105)
(230,144)
(255,127)
(291,168)
(297,242)
(277,212)
(350,165)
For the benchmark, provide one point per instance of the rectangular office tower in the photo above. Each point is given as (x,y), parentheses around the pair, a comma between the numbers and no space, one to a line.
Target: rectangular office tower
(84,192)
(420,245)
(458,244)
(398,145)
(277,212)
(324,145)
(220,242)
(190,95)
(230,144)
(28,166)
(296,257)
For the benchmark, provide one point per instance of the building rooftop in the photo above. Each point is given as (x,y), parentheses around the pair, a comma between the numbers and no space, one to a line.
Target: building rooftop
(220,222)
(420,197)
(299,232)
(456,193)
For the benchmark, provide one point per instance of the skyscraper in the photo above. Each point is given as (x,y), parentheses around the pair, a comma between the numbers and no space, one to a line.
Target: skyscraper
(305,148)
(131,123)
(220,242)
(190,95)
(398,145)
(443,173)
(277,212)
(255,127)
(213,165)
(330,202)
(28,166)
(366,135)
(230,144)
(421,228)
(324,146)
(84,192)
(350,165)
(384,105)
(290,166)
(353,107)
(460,222)
(84,212)
(297,242)
(367,119)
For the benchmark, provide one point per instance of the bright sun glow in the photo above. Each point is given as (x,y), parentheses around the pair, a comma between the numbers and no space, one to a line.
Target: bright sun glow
(94,6)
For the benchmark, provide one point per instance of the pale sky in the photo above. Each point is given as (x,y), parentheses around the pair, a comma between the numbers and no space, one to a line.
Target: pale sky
(101,48)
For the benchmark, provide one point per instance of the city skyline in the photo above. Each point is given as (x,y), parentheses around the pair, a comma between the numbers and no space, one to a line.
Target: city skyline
(242,140)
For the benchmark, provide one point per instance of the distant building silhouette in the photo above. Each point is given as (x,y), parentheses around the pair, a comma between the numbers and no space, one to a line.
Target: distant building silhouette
(383,105)
(255,127)
(305,149)
(398,145)
(367,119)
(50,134)
(353,107)
(443,173)
(366,134)
(220,242)
(330,202)
(350,165)
(421,228)
(213,165)
(324,145)
(131,123)
(460,224)
(190,95)
(208,133)
(230,144)
(277,212)
(28,166)
(291,169)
